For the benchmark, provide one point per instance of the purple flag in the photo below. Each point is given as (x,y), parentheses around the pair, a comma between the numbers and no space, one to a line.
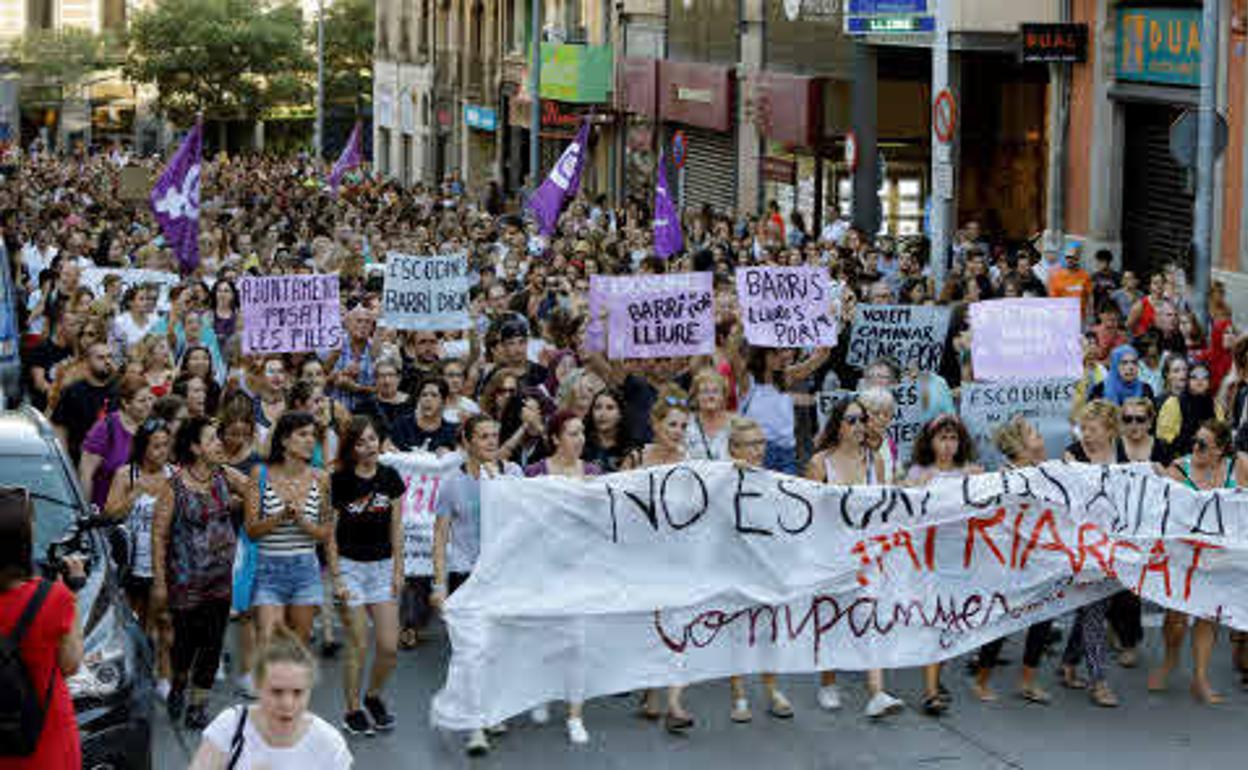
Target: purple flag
(175,200)
(350,157)
(667,237)
(547,201)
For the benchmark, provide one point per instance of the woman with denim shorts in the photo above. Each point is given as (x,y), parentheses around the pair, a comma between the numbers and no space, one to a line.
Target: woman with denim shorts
(365,557)
(287,514)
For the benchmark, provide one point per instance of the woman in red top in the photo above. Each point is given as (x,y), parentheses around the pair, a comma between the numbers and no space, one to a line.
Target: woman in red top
(52,644)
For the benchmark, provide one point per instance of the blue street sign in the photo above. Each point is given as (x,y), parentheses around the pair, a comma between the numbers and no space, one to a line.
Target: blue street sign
(889,25)
(480,118)
(874,7)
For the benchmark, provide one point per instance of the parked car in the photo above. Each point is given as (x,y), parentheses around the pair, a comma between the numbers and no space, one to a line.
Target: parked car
(113,690)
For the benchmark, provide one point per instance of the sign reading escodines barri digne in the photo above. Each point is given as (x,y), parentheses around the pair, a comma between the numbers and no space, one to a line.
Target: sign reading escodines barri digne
(686,573)
(911,335)
(426,293)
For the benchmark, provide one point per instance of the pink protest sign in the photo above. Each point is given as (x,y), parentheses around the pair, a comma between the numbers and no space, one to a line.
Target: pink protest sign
(656,316)
(1028,338)
(290,313)
(786,307)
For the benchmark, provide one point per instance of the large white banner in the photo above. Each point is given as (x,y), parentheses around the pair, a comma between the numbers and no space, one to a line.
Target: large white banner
(686,573)
(422,474)
(93,279)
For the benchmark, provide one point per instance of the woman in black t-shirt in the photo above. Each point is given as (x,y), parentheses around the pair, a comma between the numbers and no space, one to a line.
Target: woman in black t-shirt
(366,561)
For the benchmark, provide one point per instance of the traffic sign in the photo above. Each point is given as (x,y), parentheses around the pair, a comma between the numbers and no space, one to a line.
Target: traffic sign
(945,116)
(1184,136)
(851,151)
(680,149)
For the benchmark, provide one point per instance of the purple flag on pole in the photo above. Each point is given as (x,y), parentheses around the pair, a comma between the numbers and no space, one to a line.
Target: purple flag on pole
(175,200)
(352,155)
(547,201)
(667,237)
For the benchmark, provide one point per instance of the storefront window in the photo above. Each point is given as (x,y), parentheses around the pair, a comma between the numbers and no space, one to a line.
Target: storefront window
(702,30)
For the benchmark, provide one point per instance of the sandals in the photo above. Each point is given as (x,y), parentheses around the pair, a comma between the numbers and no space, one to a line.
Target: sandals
(645,711)
(677,725)
(1071,679)
(1035,694)
(780,707)
(1102,696)
(409,639)
(934,705)
(1205,694)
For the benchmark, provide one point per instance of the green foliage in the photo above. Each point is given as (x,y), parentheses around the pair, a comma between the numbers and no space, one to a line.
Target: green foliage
(230,59)
(65,56)
(349,31)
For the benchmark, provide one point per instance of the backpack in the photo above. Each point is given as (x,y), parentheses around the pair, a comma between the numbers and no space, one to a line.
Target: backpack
(22,710)
(236,742)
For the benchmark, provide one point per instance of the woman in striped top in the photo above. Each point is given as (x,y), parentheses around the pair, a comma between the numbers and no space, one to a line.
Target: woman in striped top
(288,514)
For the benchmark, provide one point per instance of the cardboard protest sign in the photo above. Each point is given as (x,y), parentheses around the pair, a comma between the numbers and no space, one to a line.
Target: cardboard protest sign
(93,279)
(907,421)
(422,474)
(1045,402)
(426,293)
(134,184)
(290,313)
(1026,338)
(654,316)
(787,307)
(694,572)
(911,335)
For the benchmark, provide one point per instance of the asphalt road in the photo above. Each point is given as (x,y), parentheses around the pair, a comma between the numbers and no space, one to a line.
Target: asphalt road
(1148,731)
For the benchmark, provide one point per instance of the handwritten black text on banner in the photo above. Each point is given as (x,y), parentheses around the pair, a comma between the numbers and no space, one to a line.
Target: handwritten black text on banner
(655,316)
(913,336)
(290,313)
(1046,403)
(428,293)
(786,307)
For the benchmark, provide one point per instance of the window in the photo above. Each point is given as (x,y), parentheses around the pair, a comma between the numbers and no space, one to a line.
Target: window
(115,15)
(702,30)
(407,51)
(383,151)
(40,14)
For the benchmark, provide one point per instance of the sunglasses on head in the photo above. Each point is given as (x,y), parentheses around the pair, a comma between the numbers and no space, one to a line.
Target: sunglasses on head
(673,401)
(153,424)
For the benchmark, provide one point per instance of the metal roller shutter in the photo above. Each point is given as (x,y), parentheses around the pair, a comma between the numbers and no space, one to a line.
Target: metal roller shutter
(711,168)
(1157,201)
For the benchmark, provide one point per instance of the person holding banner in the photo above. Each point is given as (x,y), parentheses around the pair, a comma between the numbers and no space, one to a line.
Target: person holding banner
(458,522)
(1212,464)
(1022,445)
(709,430)
(365,557)
(1098,445)
(843,457)
(606,440)
(425,429)
(669,423)
(766,402)
(747,446)
(943,450)
(566,434)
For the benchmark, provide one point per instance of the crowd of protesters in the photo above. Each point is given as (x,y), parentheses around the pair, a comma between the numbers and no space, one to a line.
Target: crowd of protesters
(206,452)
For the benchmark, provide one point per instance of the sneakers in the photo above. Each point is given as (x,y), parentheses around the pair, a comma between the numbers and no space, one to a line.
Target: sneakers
(577,733)
(477,745)
(540,714)
(829,697)
(882,704)
(357,723)
(196,717)
(383,720)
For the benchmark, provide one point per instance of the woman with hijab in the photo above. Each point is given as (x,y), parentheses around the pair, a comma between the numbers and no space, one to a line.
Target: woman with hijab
(1122,381)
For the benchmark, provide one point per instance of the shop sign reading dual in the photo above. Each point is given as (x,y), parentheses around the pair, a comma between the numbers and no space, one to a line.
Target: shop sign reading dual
(1159,45)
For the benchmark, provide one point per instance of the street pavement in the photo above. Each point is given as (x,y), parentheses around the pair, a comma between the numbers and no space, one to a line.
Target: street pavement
(1148,731)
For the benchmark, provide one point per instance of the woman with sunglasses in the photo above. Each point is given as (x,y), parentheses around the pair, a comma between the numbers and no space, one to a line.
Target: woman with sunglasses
(842,456)
(136,488)
(943,450)
(193,543)
(1098,445)
(1180,417)
(669,421)
(1212,464)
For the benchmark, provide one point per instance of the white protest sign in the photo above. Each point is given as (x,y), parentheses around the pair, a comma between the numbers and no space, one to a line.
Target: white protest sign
(1045,402)
(787,307)
(1027,338)
(656,316)
(907,420)
(422,474)
(93,279)
(680,574)
(426,293)
(911,335)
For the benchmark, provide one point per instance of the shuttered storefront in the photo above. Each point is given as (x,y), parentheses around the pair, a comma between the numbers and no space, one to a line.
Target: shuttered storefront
(710,168)
(1156,197)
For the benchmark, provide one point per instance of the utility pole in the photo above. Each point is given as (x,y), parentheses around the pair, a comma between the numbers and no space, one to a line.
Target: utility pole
(1202,236)
(318,132)
(943,160)
(535,96)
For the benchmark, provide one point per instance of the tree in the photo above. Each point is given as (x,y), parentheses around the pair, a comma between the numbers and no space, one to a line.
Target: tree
(349,30)
(229,59)
(63,57)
